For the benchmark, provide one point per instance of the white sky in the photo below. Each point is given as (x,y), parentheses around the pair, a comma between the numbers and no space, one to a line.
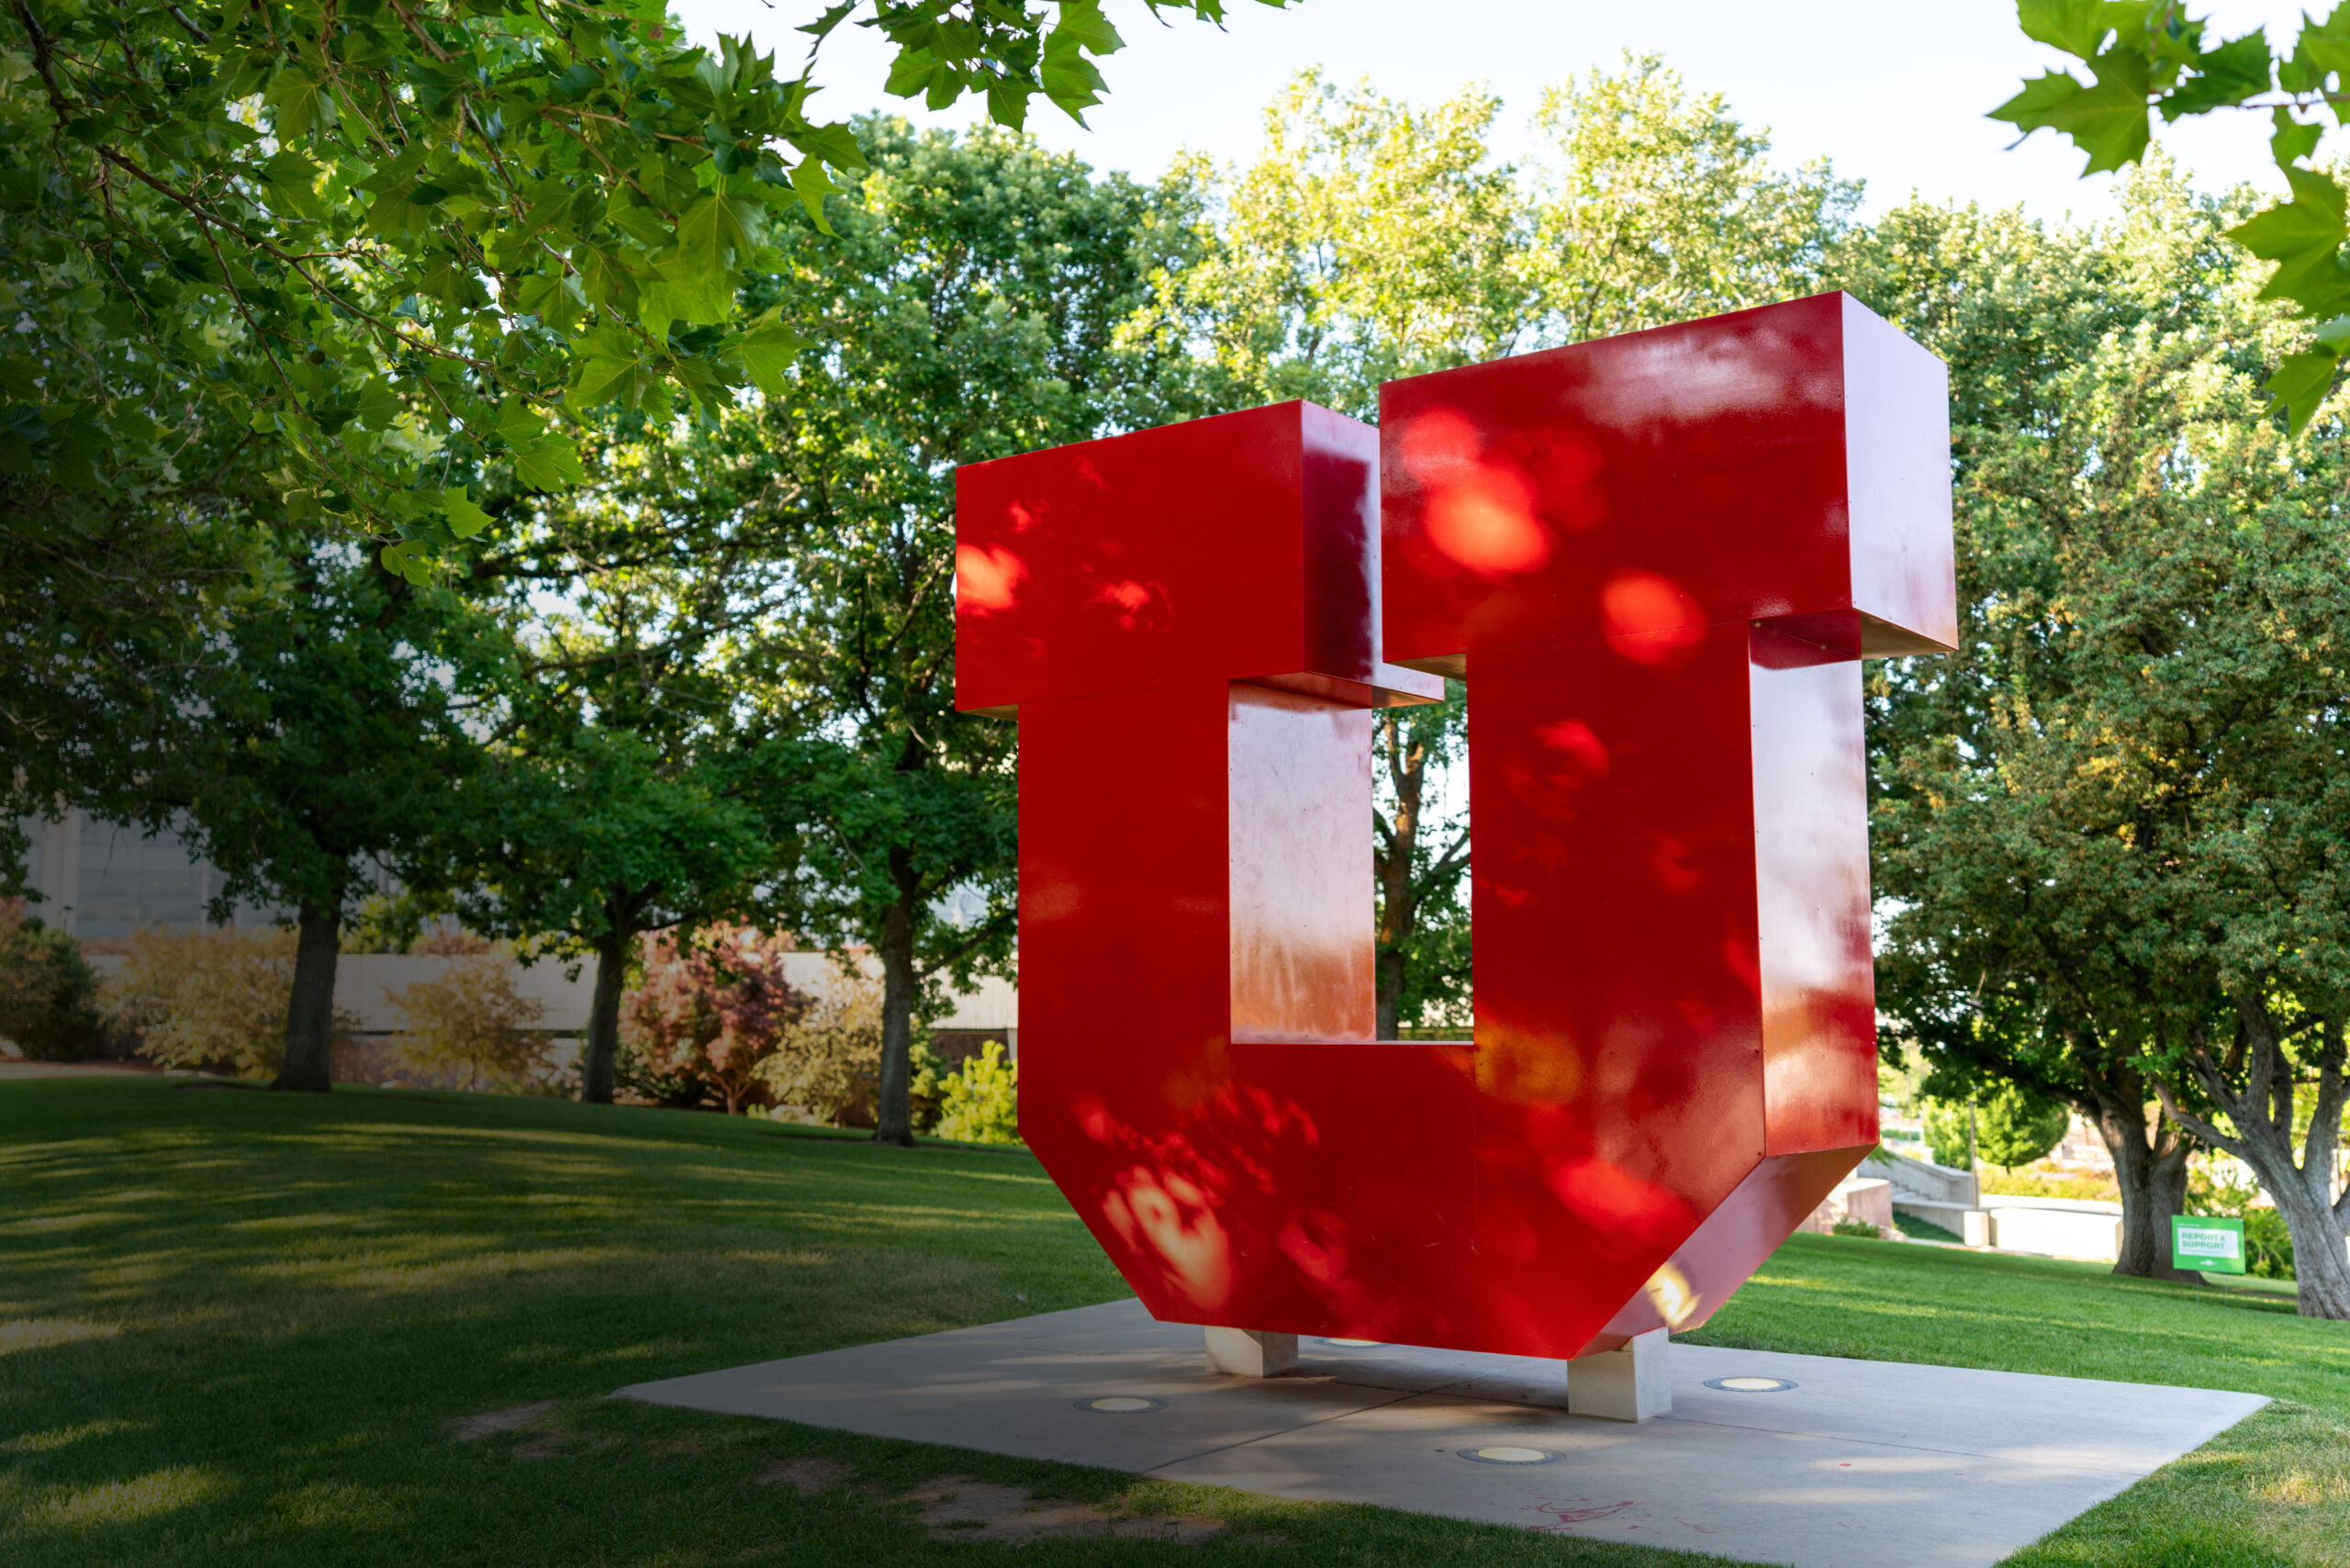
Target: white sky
(1892,91)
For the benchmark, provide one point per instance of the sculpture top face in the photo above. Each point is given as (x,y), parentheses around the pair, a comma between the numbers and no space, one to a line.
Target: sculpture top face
(1240,547)
(1788,460)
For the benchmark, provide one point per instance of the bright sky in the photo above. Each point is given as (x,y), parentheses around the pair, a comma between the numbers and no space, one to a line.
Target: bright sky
(1892,91)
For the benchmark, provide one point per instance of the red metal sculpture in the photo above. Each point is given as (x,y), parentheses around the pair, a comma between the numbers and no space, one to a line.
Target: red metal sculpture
(1656,560)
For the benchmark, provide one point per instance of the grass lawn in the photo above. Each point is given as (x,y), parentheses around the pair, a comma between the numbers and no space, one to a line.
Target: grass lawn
(247,1328)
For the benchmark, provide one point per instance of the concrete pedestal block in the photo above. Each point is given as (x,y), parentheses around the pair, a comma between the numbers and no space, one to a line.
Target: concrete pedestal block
(1978,1232)
(1243,1353)
(1630,1384)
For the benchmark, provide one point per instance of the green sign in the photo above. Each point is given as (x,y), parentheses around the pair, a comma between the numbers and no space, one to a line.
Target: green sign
(2206,1243)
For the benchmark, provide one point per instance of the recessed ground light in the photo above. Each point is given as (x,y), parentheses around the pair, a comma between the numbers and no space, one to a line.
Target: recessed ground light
(1121,1404)
(1505,1453)
(1750,1385)
(1355,1344)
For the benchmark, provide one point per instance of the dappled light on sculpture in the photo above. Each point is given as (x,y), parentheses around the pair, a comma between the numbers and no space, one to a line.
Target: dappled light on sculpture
(1656,560)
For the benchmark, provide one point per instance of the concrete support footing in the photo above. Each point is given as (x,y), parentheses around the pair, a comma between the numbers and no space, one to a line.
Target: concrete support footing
(1630,1384)
(1243,1353)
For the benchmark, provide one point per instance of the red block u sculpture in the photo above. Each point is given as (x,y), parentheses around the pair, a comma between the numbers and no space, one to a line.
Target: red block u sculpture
(1657,560)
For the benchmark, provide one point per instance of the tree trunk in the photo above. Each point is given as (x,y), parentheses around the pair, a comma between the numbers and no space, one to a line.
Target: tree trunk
(2150,1167)
(1392,867)
(2254,1088)
(604,1018)
(1389,968)
(308,1066)
(2320,1266)
(894,1116)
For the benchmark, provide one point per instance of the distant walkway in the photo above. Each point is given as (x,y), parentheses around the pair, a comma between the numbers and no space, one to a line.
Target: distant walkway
(12,1069)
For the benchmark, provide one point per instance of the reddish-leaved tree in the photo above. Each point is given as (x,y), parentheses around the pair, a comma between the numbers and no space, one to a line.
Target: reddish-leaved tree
(710,1010)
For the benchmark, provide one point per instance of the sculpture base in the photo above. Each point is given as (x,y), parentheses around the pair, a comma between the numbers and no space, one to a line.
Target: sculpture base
(1245,1352)
(1630,1385)
(1898,1466)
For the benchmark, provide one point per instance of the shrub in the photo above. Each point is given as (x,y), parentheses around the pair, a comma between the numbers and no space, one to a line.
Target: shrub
(927,1088)
(2013,1126)
(48,991)
(829,1060)
(706,1017)
(2040,1183)
(980,1104)
(1849,1226)
(215,1000)
(470,1020)
(1946,1133)
(2018,1125)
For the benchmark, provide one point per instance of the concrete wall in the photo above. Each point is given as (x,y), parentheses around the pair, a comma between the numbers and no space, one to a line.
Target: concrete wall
(991,1004)
(1868,1199)
(366,986)
(2060,1227)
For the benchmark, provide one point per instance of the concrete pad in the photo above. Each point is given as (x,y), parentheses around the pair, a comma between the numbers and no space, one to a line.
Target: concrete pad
(1859,1464)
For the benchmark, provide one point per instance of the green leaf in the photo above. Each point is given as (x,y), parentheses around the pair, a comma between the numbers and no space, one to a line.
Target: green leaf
(812,185)
(465,519)
(835,144)
(304,106)
(2076,26)
(2318,190)
(1070,79)
(294,179)
(1008,103)
(2107,121)
(909,73)
(2293,140)
(2222,77)
(2316,281)
(516,423)
(716,231)
(831,18)
(410,558)
(2291,230)
(2327,53)
(679,292)
(604,277)
(766,351)
(2300,384)
(2041,96)
(76,454)
(1086,27)
(551,463)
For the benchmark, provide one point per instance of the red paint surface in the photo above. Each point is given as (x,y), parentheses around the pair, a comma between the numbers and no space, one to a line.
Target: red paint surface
(1657,560)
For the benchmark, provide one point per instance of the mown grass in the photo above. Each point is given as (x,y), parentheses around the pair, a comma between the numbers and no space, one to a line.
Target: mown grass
(238,1328)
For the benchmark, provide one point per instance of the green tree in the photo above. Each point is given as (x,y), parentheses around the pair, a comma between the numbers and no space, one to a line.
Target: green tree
(406,241)
(2108,823)
(974,297)
(1419,858)
(363,263)
(1374,238)
(1951,1128)
(328,748)
(2018,1125)
(584,833)
(638,776)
